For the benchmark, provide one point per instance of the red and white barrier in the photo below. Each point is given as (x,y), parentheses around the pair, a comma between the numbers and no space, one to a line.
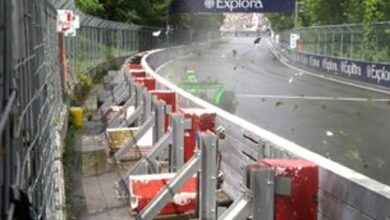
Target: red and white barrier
(201,120)
(143,188)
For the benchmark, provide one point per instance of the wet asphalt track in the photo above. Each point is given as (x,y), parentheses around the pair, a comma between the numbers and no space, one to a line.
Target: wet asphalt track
(354,130)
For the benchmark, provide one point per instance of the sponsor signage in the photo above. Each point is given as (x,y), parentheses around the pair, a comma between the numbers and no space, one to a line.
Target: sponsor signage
(232,6)
(374,73)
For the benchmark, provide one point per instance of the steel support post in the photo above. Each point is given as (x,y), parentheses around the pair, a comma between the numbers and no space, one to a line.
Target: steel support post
(208,176)
(124,149)
(184,174)
(148,164)
(147,105)
(116,121)
(177,148)
(138,99)
(133,118)
(159,120)
(129,83)
(239,210)
(262,184)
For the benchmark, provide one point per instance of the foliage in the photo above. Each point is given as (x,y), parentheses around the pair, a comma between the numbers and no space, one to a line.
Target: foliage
(68,161)
(281,22)
(328,12)
(148,13)
(198,22)
(84,86)
(371,44)
(92,7)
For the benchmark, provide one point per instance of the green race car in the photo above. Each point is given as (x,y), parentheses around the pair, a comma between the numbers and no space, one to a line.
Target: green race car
(213,92)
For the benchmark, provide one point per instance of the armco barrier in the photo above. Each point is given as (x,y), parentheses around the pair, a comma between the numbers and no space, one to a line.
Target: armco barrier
(343,193)
(376,74)
(192,134)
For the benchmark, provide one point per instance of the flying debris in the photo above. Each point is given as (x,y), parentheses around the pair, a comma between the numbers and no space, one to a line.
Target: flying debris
(257,41)
(329,134)
(156,33)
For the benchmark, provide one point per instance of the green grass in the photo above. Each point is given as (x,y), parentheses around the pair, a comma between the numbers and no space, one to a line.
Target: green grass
(68,160)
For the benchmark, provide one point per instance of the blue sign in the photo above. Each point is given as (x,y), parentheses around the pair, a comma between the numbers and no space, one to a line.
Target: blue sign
(373,73)
(232,6)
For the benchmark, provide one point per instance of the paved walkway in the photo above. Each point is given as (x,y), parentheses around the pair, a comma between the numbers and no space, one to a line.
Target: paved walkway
(93,193)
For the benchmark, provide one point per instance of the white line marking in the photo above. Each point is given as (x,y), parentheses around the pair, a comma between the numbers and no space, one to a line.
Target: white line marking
(164,65)
(283,60)
(313,98)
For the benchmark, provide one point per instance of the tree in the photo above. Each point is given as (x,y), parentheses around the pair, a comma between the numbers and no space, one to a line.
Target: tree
(281,22)
(331,12)
(148,13)
(91,7)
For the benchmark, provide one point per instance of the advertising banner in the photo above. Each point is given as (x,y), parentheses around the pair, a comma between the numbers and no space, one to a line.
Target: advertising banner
(373,73)
(232,6)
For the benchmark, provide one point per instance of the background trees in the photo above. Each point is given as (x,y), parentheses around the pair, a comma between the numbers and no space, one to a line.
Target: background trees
(148,13)
(328,12)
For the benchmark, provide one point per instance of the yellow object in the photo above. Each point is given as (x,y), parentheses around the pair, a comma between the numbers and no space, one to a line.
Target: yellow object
(76,114)
(117,137)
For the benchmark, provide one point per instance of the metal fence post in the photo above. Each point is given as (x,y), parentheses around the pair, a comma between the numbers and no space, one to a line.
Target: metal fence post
(147,105)
(177,147)
(159,120)
(262,184)
(208,177)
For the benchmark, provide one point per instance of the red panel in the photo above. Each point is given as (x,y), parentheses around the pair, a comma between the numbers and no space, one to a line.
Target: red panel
(302,204)
(138,74)
(144,188)
(202,120)
(135,66)
(148,82)
(169,98)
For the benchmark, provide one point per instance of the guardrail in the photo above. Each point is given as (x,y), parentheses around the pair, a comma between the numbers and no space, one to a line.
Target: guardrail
(343,193)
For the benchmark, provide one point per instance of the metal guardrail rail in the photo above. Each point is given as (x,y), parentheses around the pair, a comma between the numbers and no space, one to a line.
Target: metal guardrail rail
(343,193)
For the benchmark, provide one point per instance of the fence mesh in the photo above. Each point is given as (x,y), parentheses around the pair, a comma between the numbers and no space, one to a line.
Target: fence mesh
(31,90)
(350,41)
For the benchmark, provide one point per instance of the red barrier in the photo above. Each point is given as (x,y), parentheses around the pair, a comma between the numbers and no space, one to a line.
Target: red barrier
(202,120)
(169,98)
(148,82)
(137,74)
(143,188)
(135,66)
(302,203)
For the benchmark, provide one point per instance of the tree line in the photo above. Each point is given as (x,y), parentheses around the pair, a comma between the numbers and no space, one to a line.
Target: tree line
(148,13)
(330,12)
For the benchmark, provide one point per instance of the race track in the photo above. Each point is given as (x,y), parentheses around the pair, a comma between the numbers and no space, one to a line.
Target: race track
(347,124)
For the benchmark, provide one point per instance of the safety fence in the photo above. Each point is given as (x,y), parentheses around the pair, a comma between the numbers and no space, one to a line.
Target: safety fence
(31,100)
(33,112)
(99,40)
(354,52)
(264,175)
(368,43)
